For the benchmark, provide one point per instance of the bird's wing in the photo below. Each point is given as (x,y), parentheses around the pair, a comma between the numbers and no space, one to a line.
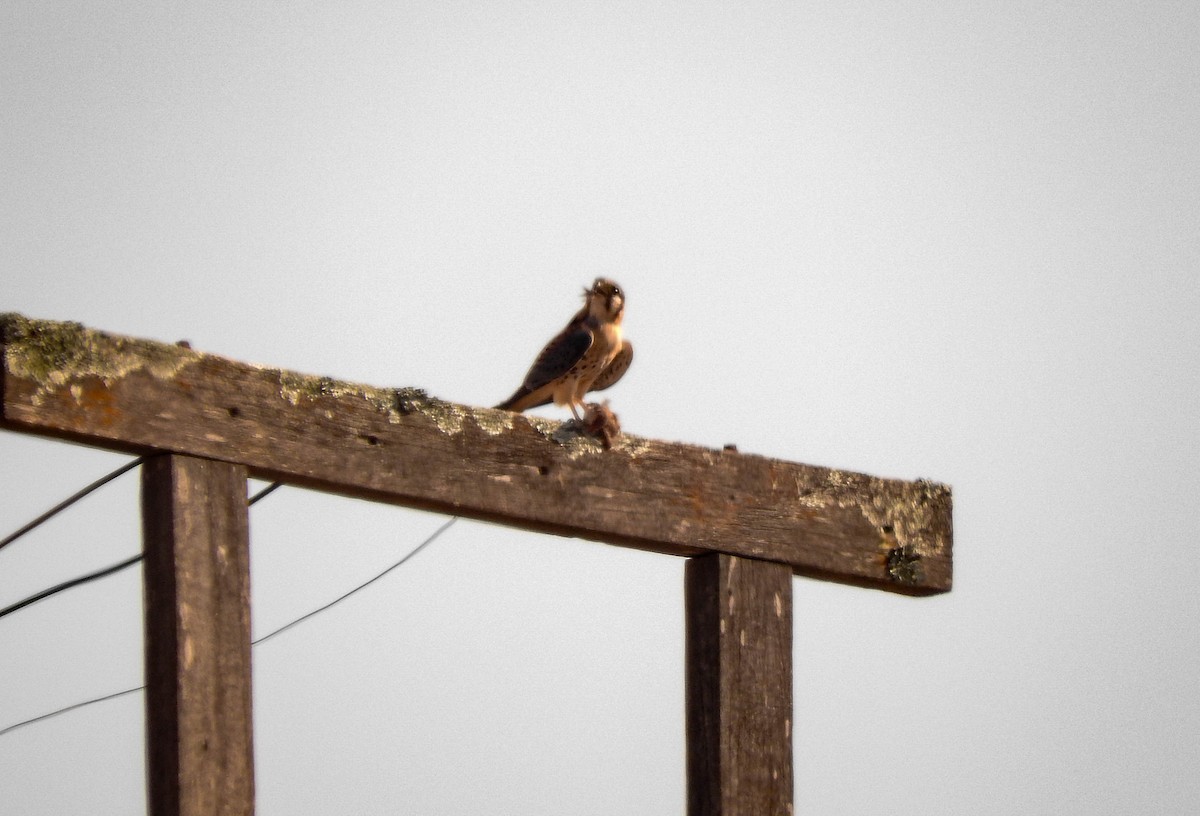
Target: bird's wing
(559,355)
(615,369)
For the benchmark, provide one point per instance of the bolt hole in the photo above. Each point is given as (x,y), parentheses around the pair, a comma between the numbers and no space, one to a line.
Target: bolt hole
(234,411)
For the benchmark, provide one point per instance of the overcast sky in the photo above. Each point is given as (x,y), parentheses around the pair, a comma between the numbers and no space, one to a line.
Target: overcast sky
(925,239)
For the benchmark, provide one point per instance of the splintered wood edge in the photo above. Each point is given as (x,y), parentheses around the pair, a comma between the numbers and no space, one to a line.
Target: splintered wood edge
(403,446)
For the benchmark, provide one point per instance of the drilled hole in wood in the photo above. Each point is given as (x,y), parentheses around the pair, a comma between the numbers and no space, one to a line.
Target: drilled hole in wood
(234,411)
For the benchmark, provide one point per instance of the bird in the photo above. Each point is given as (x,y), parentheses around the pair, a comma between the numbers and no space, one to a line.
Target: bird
(589,354)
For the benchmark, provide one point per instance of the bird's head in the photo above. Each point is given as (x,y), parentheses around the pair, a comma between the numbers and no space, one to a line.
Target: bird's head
(605,300)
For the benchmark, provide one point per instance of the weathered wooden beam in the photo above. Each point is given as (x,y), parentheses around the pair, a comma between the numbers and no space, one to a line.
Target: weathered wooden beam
(197,587)
(739,686)
(404,447)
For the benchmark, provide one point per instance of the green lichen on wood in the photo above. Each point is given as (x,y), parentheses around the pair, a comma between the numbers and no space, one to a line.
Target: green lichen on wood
(903,565)
(448,416)
(451,417)
(53,354)
(907,514)
(493,421)
(297,388)
(395,403)
(575,440)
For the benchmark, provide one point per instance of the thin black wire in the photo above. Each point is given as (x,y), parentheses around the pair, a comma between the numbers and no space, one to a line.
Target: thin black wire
(65,585)
(109,570)
(96,485)
(364,585)
(433,537)
(63,505)
(266,491)
(37,522)
(41,717)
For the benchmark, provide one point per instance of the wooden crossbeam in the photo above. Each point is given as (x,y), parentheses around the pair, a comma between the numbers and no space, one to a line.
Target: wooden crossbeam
(405,447)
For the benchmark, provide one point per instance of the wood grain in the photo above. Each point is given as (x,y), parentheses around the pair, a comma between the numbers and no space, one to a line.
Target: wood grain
(197,587)
(405,447)
(739,687)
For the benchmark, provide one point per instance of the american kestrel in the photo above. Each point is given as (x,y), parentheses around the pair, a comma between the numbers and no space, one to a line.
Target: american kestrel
(588,355)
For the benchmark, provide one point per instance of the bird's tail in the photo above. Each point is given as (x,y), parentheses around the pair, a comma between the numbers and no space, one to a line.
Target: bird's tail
(508,404)
(520,400)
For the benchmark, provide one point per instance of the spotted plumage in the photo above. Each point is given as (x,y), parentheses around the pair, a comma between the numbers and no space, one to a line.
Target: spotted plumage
(589,354)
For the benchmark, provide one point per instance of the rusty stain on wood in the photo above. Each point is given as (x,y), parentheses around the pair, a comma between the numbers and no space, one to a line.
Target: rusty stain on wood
(402,445)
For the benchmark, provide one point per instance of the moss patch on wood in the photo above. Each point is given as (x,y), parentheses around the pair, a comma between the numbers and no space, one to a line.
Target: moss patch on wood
(52,354)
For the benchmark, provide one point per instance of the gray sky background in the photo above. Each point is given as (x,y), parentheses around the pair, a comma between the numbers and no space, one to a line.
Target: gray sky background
(925,239)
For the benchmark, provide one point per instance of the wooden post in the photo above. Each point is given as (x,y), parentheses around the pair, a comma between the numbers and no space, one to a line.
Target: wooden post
(197,588)
(739,687)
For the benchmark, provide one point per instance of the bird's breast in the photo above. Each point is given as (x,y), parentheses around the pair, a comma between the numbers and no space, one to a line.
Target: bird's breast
(608,338)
